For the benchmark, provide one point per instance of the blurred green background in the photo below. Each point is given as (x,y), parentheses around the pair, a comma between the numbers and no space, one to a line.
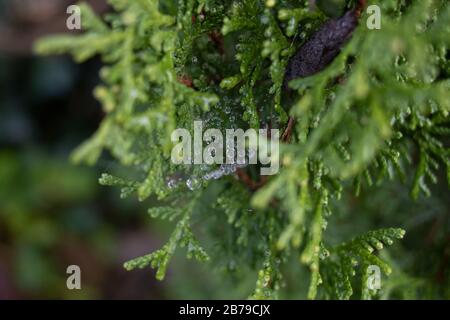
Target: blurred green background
(54,214)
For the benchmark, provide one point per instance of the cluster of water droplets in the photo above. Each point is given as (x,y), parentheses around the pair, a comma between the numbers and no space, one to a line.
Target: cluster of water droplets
(196,181)
(223,170)
(226,105)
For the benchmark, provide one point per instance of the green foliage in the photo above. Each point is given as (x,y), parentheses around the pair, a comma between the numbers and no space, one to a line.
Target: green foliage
(182,236)
(380,109)
(340,267)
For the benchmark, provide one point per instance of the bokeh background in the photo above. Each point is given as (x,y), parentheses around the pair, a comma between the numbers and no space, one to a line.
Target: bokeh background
(54,214)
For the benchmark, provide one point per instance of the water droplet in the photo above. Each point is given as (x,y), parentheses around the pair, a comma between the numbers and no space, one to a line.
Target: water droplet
(193,183)
(174,180)
(133,93)
(264,19)
(171,184)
